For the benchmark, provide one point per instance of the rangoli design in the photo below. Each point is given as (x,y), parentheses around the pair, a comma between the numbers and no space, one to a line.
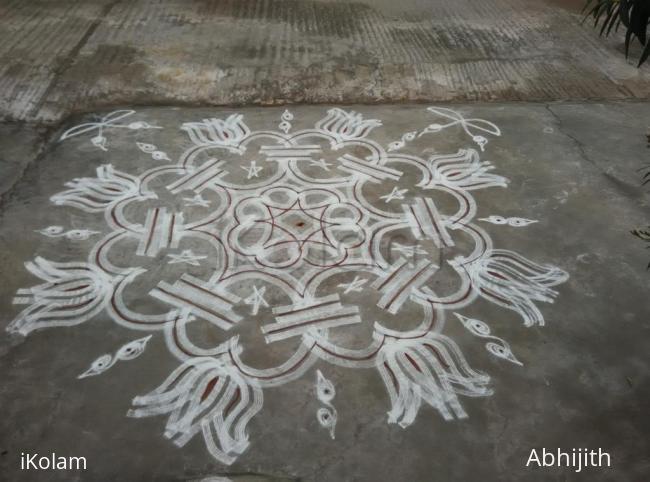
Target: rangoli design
(262,252)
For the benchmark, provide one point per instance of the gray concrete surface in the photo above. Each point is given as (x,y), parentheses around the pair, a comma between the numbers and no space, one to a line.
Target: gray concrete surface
(573,167)
(64,56)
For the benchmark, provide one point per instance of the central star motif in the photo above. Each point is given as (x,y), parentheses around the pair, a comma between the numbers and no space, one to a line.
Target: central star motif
(283,226)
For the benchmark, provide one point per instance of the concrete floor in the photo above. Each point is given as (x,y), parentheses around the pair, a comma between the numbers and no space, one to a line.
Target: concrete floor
(584,379)
(75,55)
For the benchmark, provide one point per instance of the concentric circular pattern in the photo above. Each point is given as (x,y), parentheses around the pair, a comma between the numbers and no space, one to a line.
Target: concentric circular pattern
(265,251)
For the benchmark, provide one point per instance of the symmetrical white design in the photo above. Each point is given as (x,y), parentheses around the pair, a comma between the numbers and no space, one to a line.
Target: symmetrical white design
(131,350)
(513,221)
(281,260)
(108,121)
(327,416)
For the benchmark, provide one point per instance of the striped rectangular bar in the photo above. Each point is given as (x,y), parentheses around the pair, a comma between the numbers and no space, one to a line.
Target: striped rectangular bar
(425,221)
(400,281)
(199,178)
(295,320)
(290,153)
(373,172)
(202,300)
(160,232)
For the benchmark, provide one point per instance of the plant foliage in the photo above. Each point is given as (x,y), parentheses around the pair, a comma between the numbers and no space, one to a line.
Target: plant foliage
(634,15)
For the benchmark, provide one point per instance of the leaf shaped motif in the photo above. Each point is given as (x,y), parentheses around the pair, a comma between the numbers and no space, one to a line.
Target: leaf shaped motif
(71,294)
(463,170)
(346,125)
(100,365)
(208,396)
(512,281)
(96,194)
(429,369)
(229,132)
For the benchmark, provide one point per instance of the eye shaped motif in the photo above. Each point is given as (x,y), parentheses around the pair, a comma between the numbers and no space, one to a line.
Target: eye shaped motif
(393,146)
(501,351)
(148,148)
(495,220)
(79,234)
(133,349)
(327,418)
(160,156)
(514,222)
(100,365)
(324,388)
(51,231)
(519,222)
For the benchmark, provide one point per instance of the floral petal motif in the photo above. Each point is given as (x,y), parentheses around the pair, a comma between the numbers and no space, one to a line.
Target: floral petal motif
(346,125)
(95,194)
(512,281)
(229,132)
(206,395)
(463,170)
(430,369)
(72,293)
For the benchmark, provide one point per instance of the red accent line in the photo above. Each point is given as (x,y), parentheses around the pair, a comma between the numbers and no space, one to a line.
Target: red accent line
(232,403)
(415,365)
(404,286)
(392,275)
(171,230)
(209,388)
(437,354)
(319,320)
(205,290)
(307,308)
(151,231)
(218,315)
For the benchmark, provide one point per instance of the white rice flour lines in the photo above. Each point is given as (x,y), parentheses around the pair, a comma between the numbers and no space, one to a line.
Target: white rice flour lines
(259,247)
